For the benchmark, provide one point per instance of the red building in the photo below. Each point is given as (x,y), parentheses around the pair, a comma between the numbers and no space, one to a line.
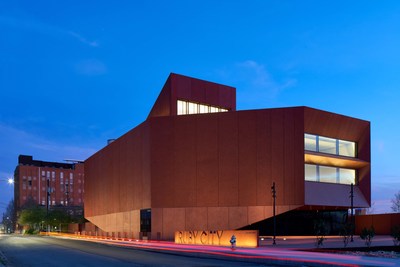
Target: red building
(48,184)
(198,164)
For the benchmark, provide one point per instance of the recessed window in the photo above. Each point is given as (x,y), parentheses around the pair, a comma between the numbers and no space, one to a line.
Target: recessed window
(329,145)
(325,174)
(186,107)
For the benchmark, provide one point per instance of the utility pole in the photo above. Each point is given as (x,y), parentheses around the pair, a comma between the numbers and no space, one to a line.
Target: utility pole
(273,191)
(352,215)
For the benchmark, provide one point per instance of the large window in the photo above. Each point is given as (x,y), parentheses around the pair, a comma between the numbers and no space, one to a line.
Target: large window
(328,145)
(185,107)
(325,174)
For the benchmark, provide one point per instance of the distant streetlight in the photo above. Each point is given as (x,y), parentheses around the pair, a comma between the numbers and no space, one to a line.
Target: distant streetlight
(8,180)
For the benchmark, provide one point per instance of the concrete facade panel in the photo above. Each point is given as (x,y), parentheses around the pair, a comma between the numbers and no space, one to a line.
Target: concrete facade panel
(198,92)
(181,88)
(173,218)
(228,160)
(247,160)
(196,218)
(218,218)
(207,161)
(264,159)
(255,214)
(227,97)
(162,163)
(184,172)
(157,221)
(277,150)
(237,217)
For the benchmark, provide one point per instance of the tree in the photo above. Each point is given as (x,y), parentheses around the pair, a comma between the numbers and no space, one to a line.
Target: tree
(57,217)
(32,217)
(9,217)
(396,202)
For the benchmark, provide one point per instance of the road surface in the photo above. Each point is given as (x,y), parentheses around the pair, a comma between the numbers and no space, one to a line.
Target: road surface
(47,251)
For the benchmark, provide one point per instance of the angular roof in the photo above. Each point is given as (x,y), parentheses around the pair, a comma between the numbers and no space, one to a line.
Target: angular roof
(179,87)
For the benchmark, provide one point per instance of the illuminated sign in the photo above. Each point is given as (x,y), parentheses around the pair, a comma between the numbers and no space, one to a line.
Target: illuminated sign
(244,238)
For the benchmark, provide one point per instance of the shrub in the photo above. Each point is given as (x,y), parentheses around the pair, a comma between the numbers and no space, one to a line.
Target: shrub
(367,235)
(30,231)
(321,231)
(395,233)
(345,233)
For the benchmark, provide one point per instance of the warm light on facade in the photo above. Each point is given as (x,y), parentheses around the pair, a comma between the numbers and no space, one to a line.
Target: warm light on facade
(244,238)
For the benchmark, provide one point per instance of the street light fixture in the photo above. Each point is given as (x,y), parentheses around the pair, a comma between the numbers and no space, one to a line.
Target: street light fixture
(273,192)
(352,214)
(8,180)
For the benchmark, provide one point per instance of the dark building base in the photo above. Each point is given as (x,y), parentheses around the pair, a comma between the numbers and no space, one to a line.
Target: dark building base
(301,223)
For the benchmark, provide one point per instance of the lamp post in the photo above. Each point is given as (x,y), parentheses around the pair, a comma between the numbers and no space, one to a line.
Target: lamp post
(273,191)
(352,215)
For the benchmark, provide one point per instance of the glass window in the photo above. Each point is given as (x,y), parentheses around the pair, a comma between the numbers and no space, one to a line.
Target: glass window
(311,172)
(327,174)
(327,145)
(310,142)
(347,176)
(203,109)
(213,109)
(185,107)
(193,108)
(347,148)
(182,107)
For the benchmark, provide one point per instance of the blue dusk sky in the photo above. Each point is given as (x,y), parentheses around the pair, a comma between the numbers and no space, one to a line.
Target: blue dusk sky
(76,73)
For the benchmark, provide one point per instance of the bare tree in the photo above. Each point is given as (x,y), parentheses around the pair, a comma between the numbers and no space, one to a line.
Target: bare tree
(396,202)
(9,217)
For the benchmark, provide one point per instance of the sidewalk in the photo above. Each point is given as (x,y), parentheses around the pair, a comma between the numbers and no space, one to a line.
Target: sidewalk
(287,251)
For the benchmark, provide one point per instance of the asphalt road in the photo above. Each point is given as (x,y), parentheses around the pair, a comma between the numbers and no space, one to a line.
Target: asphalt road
(47,251)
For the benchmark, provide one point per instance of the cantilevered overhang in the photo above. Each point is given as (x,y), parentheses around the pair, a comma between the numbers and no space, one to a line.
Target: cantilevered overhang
(333,195)
(333,160)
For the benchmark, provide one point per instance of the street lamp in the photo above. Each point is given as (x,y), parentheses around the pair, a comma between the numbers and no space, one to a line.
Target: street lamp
(8,180)
(273,192)
(352,214)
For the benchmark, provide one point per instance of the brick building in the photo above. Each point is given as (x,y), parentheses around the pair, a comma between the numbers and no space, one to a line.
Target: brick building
(49,184)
